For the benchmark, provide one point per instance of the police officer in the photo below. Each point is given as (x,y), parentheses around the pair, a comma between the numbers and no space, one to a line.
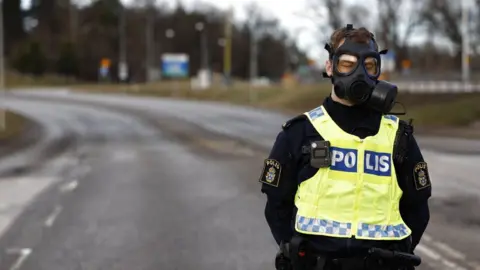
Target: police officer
(347,176)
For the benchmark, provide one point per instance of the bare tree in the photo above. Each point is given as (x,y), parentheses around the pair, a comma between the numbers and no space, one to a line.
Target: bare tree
(395,15)
(357,15)
(334,8)
(258,25)
(328,11)
(444,16)
(326,16)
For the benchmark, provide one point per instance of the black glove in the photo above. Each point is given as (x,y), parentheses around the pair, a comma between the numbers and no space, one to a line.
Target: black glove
(282,260)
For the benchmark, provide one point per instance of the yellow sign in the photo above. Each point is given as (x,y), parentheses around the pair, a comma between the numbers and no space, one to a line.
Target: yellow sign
(406,64)
(105,63)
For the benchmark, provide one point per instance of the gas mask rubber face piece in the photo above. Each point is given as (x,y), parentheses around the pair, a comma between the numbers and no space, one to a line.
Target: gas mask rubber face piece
(356,69)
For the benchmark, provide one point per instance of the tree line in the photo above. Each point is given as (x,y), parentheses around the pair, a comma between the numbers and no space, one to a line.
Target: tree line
(399,22)
(53,36)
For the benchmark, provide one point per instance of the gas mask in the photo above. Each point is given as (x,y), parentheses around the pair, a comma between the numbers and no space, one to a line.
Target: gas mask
(356,69)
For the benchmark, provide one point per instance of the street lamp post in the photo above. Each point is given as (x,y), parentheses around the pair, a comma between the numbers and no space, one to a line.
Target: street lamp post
(204,54)
(2,68)
(122,57)
(149,36)
(465,43)
(169,33)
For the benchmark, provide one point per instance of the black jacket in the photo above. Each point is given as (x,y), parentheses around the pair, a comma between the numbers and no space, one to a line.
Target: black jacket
(287,150)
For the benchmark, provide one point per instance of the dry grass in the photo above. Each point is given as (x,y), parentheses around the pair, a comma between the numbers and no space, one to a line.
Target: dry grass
(428,110)
(13,79)
(14,125)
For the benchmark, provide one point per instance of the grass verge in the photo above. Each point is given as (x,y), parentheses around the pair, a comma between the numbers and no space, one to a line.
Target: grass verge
(13,79)
(430,110)
(13,127)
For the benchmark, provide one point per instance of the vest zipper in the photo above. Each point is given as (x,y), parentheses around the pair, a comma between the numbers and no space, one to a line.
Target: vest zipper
(358,187)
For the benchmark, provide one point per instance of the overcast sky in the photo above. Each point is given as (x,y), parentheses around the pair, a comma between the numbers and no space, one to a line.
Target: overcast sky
(293,16)
(296,17)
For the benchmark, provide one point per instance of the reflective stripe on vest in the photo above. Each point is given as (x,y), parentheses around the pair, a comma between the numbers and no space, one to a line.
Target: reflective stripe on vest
(358,195)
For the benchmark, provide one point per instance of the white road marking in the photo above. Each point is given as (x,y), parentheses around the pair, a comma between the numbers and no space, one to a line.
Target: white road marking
(123,155)
(474,266)
(452,265)
(428,252)
(426,238)
(80,172)
(23,255)
(450,251)
(69,186)
(439,257)
(17,193)
(86,170)
(53,216)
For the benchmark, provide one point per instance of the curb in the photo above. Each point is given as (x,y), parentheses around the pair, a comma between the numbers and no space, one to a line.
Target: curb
(30,136)
(29,151)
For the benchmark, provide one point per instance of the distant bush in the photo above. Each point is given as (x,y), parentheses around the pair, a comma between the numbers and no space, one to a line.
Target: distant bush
(67,63)
(30,59)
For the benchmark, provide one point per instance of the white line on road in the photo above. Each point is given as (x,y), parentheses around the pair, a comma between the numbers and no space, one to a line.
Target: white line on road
(474,266)
(450,251)
(23,255)
(427,238)
(123,155)
(452,265)
(439,258)
(428,252)
(69,186)
(84,170)
(445,251)
(51,218)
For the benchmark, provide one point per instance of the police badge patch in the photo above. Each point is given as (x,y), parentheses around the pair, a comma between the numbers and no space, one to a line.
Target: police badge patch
(420,176)
(271,173)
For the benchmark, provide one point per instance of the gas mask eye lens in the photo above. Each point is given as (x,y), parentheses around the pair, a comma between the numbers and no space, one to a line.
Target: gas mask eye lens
(371,66)
(346,63)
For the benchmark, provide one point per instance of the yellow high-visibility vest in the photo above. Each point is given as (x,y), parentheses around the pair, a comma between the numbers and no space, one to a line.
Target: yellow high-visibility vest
(358,195)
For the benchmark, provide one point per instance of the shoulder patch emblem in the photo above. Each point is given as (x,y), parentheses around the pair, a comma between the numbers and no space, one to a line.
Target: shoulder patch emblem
(316,113)
(391,117)
(420,176)
(272,170)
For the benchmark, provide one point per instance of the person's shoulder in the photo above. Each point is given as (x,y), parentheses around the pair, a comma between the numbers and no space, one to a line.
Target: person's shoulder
(405,127)
(295,122)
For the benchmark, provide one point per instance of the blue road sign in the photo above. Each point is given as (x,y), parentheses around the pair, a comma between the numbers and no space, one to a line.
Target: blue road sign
(103,71)
(175,65)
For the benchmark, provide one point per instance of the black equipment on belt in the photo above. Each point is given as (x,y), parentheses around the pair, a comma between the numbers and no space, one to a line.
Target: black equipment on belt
(302,258)
(282,260)
(398,258)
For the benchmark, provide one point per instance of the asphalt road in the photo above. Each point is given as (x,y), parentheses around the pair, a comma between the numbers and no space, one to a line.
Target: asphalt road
(166,184)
